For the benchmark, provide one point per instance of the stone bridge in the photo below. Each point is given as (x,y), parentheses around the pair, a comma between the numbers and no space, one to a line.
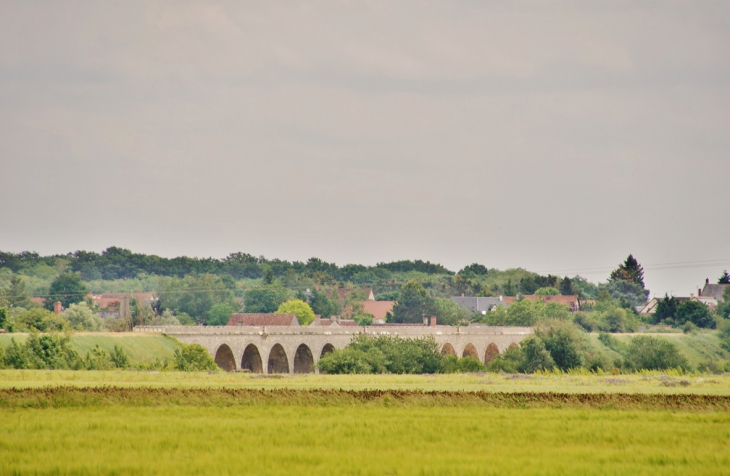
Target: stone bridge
(280,349)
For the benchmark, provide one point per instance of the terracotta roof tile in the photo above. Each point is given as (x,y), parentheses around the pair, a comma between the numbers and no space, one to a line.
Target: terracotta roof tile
(263,319)
(378,308)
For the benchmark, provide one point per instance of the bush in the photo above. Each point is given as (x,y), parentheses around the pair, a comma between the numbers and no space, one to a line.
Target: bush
(49,352)
(38,319)
(651,353)
(694,312)
(535,356)
(453,364)
(508,362)
(585,321)
(565,343)
(371,354)
(352,361)
(193,358)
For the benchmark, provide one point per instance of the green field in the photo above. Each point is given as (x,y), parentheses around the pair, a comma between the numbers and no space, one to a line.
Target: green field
(647,382)
(169,431)
(142,349)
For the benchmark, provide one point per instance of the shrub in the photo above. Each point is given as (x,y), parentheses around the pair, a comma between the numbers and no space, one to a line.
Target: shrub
(98,359)
(37,319)
(352,361)
(585,321)
(47,351)
(535,356)
(508,362)
(453,364)
(192,358)
(371,354)
(694,312)
(651,353)
(565,343)
(119,357)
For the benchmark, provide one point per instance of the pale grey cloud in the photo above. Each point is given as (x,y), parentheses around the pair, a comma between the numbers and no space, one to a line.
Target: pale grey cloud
(553,136)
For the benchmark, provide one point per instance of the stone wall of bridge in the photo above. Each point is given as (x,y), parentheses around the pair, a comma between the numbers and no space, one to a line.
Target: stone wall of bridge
(271,349)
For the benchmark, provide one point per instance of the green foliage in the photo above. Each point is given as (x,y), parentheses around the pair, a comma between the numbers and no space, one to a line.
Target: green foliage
(97,359)
(547,291)
(520,313)
(585,321)
(566,287)
(651,353)
(323,305)
(474,269)
(195,295)
(632,293)
(264,298)
(301,309)
(352,360)
(508,362)
(534,356)
(448,313)
(453,364)
(384,354)
(724,279)
(388,296)
(414,303)
(67,288)
(81,318)
(565,343)
(666,309)
(630,271)
(46,351)
(694,312)
(193,358)
(119,358)
(16,295)
(219,314)
(37,319)
(3,317)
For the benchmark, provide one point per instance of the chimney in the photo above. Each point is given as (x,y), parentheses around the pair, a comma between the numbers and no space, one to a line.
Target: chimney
(433,321)
(707,281)
(699,292)
(57,307)
(501,298)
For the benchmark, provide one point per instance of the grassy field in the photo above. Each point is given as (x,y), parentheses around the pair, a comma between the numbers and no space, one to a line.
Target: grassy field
(648,382)
(141,348)
(697,348)
(327,436)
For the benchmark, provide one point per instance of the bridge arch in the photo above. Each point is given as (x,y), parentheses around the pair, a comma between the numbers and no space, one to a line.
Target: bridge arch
(491,352)
(470,351)
(327,349)
(278,361)
(448,349)
(224,358)
(251,360)
(303,360)
(514,345)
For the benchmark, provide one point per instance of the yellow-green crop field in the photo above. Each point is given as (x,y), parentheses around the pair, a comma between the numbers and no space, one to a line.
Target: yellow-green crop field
(178,423)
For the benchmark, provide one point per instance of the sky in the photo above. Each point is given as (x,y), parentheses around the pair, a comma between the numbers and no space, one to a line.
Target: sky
(554,136)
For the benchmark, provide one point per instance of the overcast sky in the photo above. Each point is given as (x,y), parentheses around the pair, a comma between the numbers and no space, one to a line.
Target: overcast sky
(554,136)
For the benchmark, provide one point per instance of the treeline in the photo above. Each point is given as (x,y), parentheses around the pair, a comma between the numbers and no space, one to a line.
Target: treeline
(120,263)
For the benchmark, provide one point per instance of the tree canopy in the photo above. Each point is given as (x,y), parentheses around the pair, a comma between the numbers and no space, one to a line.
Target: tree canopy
(630,270)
